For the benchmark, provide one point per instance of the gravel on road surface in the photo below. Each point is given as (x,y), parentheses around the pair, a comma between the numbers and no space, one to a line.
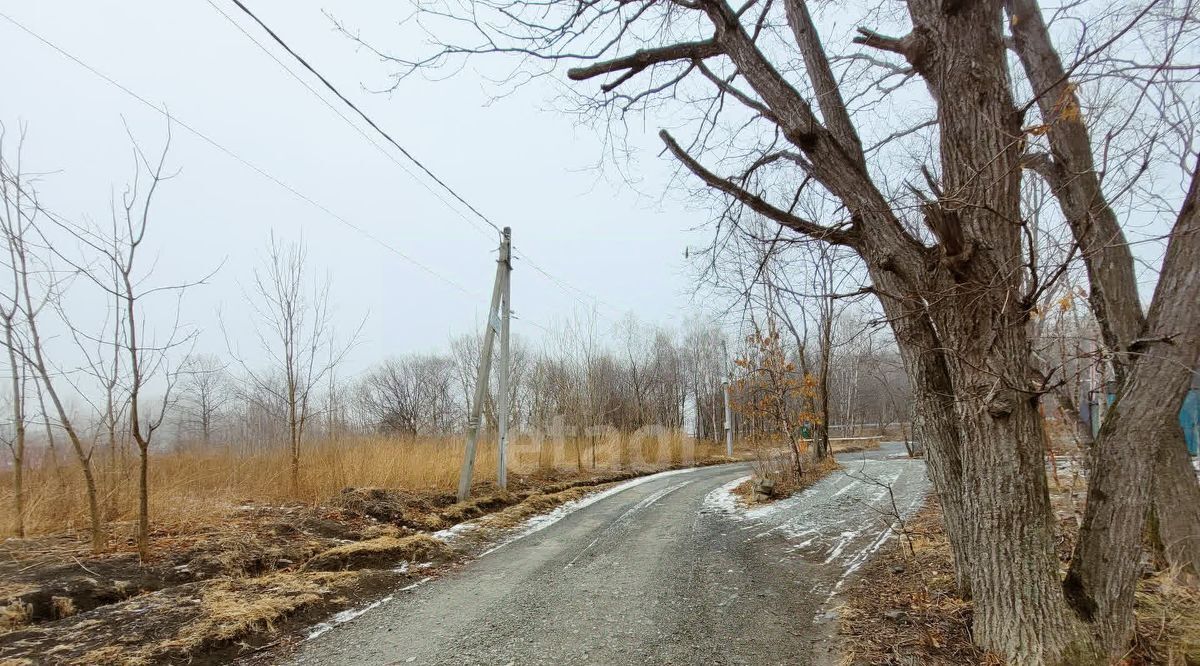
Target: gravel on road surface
(666,570)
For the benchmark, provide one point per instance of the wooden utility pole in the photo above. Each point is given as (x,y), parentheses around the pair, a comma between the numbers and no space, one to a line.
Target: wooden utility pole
(497,322)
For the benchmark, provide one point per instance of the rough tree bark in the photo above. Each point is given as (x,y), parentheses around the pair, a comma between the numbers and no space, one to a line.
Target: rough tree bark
(960,303)
(981,317)
(1145,412)
(959,309)
(1071,172)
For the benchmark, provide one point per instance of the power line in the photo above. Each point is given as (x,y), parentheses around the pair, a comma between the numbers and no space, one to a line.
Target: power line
(567,287)
(237,157)
(474,224)
(560,283)
(364,116)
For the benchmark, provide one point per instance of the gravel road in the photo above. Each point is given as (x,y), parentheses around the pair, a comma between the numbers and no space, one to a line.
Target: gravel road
(666,571)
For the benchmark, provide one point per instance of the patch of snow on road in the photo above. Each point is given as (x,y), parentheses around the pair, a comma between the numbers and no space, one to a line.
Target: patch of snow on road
(416,584)
(344,617)
(722,500)
(349,614)
(541,522)
(841,521)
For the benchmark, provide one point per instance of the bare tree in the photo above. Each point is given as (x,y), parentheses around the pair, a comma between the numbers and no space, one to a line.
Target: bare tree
(16,443)
(146,363)
(14,224)
(147,360)
(947,259)
(102,353)
(205,392)
(412,395)
(296,334)
(22,211)
(1140,446)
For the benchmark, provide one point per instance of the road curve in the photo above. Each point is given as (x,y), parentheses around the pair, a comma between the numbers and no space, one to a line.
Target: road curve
(665,571)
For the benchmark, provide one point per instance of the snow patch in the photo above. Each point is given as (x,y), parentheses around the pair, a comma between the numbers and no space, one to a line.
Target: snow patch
(541,522)
(722,500)
(451,534)
(344,617)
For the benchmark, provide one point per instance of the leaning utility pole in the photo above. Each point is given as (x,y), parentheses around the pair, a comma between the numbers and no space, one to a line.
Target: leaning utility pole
(728,422)
(497,322)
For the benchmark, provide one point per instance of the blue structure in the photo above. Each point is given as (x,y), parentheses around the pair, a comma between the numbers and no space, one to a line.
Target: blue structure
(1189,416)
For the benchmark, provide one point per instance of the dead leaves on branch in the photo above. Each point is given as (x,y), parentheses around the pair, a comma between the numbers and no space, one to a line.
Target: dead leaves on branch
(770,386)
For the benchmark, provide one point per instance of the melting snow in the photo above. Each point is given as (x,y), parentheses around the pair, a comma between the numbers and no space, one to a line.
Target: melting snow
(344,617)
(541,522)
(722,500)
(841,521)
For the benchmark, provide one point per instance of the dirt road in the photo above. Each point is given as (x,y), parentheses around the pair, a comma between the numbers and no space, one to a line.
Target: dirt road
(665,570)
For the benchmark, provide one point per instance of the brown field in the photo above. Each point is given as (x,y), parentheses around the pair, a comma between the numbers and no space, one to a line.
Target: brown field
(227,529)
(198,486)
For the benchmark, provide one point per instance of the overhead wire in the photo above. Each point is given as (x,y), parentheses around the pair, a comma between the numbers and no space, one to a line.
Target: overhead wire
(212,142)
(562,284)
(361,132)
(567,287)
(279,40)
(572,290)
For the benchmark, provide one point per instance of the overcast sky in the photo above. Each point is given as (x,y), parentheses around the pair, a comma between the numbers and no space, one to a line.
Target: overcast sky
(517,159)
(520,159)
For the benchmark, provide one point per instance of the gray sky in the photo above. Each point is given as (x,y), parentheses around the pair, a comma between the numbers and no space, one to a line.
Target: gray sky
(520,159)
(517,159)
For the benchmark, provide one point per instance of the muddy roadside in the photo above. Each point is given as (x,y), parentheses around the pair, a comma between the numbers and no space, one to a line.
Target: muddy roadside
(264,574)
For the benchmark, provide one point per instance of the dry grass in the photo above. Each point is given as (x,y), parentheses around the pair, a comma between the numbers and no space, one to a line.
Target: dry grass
(773,460)
(854,444)
(228,610)
(1168,622)
(236,553)
(903,609)
(381,551)
(199,487)
(63,607)
(786,481)
(13,615)
(930,624)
(536,504)
(231,609)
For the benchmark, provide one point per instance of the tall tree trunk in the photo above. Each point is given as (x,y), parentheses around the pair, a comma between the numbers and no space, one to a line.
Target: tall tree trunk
(1104,569)
(293,432)
(821,432)
(1070,170)
(18,416)
(99,538)
(1010,543)
(114,467)
(38,362)
(959,308)
(1176,504)
(935,426)
(979,315)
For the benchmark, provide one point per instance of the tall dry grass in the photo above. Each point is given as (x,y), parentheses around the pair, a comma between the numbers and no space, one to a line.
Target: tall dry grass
(198,486)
